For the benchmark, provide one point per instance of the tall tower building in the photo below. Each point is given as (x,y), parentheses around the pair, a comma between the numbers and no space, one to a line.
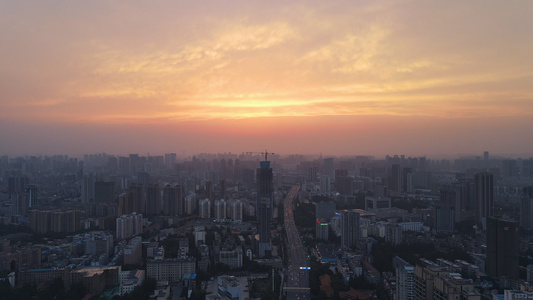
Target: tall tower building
(349,228)
(503,246)
(484,190)
(265,199)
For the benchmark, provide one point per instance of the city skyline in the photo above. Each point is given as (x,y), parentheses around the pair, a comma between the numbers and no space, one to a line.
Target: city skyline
(338,78)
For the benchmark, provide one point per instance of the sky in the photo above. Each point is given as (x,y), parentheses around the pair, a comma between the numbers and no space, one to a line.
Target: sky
(332,77)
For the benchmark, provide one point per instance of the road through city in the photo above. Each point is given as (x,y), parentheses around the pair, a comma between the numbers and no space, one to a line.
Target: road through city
(297,272)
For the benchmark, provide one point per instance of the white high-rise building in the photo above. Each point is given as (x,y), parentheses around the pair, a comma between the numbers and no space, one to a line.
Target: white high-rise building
(405,282)
(129,225)
(220,210)
(236,210)
(204,208)
(190,203)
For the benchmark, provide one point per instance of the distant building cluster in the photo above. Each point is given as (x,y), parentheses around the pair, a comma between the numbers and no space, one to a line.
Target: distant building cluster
(111,222)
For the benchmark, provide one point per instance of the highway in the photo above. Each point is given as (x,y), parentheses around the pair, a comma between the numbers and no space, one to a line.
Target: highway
(297,277)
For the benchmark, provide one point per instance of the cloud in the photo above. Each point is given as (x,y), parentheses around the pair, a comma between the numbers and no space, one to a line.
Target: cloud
(180,60)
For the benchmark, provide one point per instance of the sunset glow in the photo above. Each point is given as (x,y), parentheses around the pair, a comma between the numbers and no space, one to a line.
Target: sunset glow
(234,75)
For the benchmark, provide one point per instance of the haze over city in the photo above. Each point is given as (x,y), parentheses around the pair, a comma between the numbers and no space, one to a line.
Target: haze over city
(335,77)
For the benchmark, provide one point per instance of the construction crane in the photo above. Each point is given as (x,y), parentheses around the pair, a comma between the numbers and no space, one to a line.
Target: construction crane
(266,153)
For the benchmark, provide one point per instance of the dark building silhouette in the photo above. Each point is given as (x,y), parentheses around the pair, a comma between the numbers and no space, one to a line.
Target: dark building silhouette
(210,194)
(153,199)
(264,207)
(396,180)
(104,192)
(349,228)
(325,210)
(503,245)
(248,178)
(140,194)
(222,186)
(526,209)
(484,191)
(343,182)
(444,218)
(16,184)
(451,197)
(127,202)
(144,178)
(172,200)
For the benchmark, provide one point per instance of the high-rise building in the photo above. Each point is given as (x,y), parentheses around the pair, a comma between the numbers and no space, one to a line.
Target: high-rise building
(325,184)
(33,193)
(329,169)
(204,208)
(451,197)
(140,193)
(248,178)
(503,246)
(129,225)
(87,189)
(170,160)
(526,209)
(172,200)
(209,191)
(343,182)
(404,280)
(104,192)
(484,191)
(407,183)
(220,210)
(127,202)
(349,228)
(222,186)
(324,210)
(65,221)
(322,229)
(396,180)
(16,184)
(144,178)
(20,203)
(264,207)
(153,199)
(190,204)
(444,218)
(236,210)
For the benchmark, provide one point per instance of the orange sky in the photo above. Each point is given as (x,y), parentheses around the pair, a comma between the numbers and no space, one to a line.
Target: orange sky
(334,77)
